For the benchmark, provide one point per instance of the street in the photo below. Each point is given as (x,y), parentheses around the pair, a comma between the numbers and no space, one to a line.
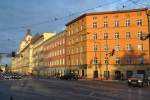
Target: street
(52,89)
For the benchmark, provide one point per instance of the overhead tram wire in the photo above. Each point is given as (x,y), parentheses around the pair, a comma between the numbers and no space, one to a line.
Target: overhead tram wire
(57,18)
(139,3)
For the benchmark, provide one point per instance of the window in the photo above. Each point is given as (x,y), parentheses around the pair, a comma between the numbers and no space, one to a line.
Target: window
(94,18)
(117,47)
(141,60)
(117,35)
(106,48)
(95,47)
(105,36)
(139,22)
(81,37)
(106,61)
(81,49)
(127,23)
(105,24)
(139,34)
(140,46)
(116,23)
(95,61)
(94,24)
(128,47)
(128,59)
(128,34)
(117,60)
(95,36)
(105,17)
(81,27)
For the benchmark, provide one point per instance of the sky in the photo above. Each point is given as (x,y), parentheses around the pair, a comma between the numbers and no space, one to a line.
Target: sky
(16,16)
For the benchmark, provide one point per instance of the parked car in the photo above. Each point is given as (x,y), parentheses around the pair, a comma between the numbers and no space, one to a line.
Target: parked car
(1,77)
(16,76)
(138,80)
(69,76)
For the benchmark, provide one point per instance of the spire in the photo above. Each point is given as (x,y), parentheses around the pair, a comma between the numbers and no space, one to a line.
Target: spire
(29,32)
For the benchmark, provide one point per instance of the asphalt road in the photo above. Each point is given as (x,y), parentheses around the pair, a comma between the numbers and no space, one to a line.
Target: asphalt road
(42,89)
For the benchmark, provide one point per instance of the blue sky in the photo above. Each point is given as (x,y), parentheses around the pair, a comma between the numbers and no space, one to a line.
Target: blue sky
(16,16)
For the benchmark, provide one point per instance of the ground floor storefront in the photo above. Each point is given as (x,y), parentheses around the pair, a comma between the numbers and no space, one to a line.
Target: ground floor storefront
(103,72)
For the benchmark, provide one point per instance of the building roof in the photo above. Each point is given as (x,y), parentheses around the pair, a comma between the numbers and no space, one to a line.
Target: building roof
(107,12)
(36,37)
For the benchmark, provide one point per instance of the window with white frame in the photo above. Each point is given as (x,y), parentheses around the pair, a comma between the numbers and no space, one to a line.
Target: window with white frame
(95,47)
(94,24)
(127,23)
(117,60)
(117,47)
(139,34)
(116,23)
(106,48)
(105,36)
(128,34)
(128,47)
(95,36)
(117,35)
(105,24)
(95,61)
(139,22)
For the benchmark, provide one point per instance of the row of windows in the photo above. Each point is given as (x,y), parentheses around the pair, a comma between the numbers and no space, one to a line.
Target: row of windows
(75,61)
(56,62)
(117,23)
(117,47)
(117,35)
(105,36)
(55,53)
(55,44)
(76,30)
(76,50)
(128,60)
(116,16)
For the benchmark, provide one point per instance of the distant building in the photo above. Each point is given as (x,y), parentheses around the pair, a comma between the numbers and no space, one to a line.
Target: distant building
(23,62)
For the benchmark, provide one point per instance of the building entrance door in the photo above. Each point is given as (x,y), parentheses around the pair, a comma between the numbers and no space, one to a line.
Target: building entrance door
(117,75)
(96,74)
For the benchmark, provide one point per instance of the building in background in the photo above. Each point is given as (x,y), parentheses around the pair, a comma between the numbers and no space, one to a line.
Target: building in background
(53,55)
(21,62)
(37,48)
(25,60)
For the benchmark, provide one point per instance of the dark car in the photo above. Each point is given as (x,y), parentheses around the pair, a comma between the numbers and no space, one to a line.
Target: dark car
(69,76)
(1,77)
(138,80)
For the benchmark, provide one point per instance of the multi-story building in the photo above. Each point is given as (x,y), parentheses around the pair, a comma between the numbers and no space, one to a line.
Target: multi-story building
(53,55)
(21,63)
(37,47)
(107,44)
(25,61)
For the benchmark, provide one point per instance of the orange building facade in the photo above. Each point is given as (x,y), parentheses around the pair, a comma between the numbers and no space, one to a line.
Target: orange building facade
(53,55)
(107,45)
